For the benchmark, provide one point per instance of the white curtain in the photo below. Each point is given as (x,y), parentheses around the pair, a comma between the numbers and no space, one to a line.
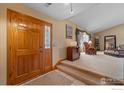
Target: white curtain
(81,37)
(84,37)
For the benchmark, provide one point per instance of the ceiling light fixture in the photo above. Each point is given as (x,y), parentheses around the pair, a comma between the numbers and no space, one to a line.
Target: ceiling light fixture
(66,3)
(48,4)
(71,12)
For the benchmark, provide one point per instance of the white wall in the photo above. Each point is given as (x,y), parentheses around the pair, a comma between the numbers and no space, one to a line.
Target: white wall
(117,30)
(3,43)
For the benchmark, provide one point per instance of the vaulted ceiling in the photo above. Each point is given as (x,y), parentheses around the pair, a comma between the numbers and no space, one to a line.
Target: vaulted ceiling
(93,16)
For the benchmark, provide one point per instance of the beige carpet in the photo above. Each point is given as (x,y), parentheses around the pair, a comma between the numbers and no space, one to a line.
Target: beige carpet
(101,64)
(52,78)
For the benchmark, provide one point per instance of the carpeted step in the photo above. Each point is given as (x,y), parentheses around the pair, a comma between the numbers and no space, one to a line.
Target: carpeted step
(83,70)
(82,75)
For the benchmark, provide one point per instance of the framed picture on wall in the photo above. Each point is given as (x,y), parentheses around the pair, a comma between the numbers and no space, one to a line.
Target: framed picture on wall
(69,31)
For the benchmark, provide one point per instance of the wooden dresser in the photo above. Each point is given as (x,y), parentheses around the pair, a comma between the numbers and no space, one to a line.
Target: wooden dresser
(73,53)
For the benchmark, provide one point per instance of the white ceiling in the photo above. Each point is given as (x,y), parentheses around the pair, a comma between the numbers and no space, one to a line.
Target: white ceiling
(94,17)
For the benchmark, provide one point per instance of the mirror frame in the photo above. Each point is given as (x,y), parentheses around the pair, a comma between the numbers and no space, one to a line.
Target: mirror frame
(114,36)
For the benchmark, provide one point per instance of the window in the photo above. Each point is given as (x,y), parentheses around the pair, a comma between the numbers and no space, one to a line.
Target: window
(81,37)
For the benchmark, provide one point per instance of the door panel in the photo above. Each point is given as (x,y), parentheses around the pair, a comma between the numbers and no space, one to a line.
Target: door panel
(22,66)
(47,64)
(23,39)
(26,51)
(35,63)
(47,49)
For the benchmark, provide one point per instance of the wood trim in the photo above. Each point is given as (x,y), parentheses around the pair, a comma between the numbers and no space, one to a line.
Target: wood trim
(59,62)
(8,48)
(40,20)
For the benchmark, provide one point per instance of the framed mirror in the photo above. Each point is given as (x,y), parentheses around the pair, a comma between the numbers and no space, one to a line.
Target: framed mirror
(109,42)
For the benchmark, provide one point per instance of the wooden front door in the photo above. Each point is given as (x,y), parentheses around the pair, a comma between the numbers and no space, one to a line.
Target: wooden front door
(26,52)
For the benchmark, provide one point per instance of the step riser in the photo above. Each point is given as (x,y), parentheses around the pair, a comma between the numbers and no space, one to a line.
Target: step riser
(94,74)
(88,82)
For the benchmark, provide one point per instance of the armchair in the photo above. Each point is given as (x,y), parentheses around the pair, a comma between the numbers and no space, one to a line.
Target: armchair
(88,49)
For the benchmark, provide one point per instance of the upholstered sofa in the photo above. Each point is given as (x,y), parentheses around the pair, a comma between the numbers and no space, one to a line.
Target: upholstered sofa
(119,52)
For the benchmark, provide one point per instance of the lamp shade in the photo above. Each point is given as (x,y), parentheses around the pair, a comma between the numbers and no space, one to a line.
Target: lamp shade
(90,42)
